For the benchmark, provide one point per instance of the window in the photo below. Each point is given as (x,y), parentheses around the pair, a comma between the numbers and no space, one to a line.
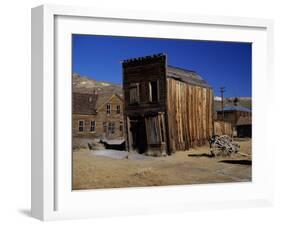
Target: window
(121,126)
(108,109)
(104,127)
(153,91)
(134,93)
(111,127)
(118,109)
(93,126)
(80,125)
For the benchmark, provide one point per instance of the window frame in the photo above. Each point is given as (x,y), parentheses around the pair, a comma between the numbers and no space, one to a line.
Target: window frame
(121,126)
(108,109)
(111,128)
(136,87)
(91,126)
(150,91)
(118,109)
(83,126)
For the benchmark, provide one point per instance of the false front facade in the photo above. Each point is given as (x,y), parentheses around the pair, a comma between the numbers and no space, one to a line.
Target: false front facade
(165,108)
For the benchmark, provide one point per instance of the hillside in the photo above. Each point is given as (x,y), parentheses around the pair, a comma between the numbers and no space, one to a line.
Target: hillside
(83,84)
(242,101)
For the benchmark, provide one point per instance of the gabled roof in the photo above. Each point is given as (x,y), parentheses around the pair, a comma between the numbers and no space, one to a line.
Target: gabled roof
(88,103)
(235,108)
(244,120)
(187,76)
(83,103)
(103,99)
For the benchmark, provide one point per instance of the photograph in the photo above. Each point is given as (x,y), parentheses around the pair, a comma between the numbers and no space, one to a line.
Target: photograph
(158,112)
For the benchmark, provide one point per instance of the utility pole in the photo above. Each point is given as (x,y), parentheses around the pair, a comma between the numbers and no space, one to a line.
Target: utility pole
(222,89)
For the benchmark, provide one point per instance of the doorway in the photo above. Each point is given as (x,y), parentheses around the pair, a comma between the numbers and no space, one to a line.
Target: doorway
(138,134)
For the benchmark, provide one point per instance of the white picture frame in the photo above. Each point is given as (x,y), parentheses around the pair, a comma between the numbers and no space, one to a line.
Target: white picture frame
(52,197)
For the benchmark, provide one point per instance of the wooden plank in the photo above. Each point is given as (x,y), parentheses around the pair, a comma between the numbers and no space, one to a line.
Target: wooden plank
(204,108)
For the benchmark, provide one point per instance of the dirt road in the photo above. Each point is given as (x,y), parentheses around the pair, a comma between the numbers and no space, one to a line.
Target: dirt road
(185,167)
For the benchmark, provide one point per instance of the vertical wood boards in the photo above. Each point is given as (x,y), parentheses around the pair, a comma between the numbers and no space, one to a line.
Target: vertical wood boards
(223,128)
(190,114)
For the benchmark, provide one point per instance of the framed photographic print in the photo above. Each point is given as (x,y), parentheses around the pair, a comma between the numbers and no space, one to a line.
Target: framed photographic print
(137,112)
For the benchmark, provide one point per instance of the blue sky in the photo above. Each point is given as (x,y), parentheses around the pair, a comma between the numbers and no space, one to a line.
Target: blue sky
(227,64)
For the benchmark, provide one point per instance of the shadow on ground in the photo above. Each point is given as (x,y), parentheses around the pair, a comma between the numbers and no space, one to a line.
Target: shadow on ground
(201,155)
(241,162)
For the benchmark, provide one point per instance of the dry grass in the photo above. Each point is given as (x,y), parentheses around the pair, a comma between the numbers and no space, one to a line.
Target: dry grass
(90,171)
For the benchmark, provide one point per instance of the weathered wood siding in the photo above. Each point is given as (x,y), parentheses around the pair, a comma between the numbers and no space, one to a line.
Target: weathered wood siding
(190,114)
(223,128)
(142,73)
(232,116)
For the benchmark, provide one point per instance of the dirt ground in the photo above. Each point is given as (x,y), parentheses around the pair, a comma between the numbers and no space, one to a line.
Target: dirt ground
(194,166)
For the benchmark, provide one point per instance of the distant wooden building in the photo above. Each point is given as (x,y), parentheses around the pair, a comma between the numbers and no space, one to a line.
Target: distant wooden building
(244,126)
(97,116)
(165,108)
(233,113)
(223,128)
(240,118)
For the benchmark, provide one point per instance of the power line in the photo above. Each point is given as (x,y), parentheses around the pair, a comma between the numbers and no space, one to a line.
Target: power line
(222,90)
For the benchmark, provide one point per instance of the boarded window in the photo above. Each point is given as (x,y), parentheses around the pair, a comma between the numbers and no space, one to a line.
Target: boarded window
(80,125)
(154,130)
(93,126)
(108,109)
(118,109)
(134,93)
(111,127)
(153,91)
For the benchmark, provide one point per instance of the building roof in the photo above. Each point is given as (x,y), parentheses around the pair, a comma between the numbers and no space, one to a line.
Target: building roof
(184,75)
(187,76)
(244,120)
(84,103)
(103,99)
(235,108)
(89,103)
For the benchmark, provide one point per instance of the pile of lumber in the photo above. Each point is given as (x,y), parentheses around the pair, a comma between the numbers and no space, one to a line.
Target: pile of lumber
(223,146)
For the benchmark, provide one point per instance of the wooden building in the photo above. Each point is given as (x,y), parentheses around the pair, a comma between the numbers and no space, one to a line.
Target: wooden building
(233,113)
(223,128)
(165,108)
(244,126)
(97,116)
